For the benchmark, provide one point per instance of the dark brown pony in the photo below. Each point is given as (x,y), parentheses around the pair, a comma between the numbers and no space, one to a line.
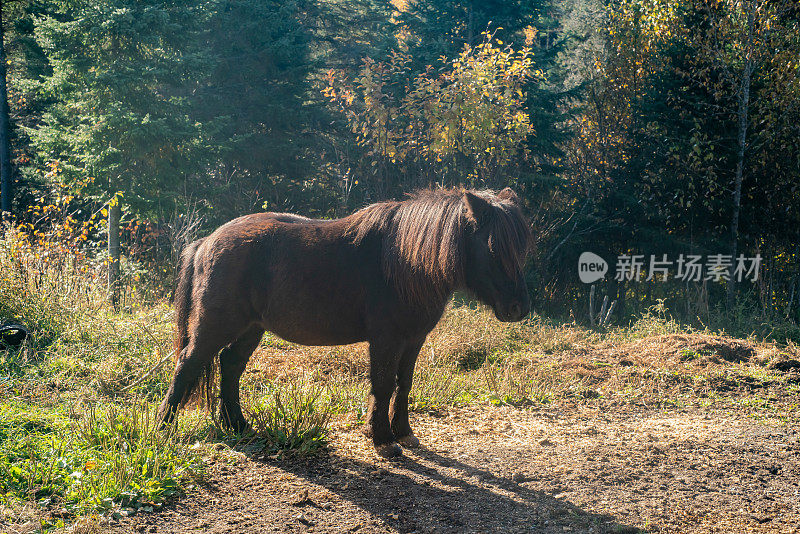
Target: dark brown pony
(382,275)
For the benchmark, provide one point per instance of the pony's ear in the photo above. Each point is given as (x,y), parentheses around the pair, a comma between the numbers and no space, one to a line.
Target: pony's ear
(509,195)
(477,208)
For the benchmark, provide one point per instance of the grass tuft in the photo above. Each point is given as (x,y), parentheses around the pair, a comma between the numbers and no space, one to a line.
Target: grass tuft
(291,417)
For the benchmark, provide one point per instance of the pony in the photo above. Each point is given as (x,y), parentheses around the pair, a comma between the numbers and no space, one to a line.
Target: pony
(382,275)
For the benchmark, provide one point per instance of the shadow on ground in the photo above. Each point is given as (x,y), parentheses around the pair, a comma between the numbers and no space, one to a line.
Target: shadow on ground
(425,491)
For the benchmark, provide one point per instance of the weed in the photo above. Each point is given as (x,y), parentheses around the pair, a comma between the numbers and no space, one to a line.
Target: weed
(346,395)
(436,386)
(291,417)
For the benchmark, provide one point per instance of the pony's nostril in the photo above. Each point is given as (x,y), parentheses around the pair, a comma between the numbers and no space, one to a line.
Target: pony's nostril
(516,310)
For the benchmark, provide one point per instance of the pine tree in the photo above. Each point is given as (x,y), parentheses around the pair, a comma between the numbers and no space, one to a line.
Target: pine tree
(118,128)
(251,100)
(6,190)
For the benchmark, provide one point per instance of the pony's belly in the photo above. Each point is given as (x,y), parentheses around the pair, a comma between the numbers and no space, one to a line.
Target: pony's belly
(314,338)
(316,333)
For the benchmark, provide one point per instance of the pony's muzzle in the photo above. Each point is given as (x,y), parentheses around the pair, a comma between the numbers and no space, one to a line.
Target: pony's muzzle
(520,310)
(516,311)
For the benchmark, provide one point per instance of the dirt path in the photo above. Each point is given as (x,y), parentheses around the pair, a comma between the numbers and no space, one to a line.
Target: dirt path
(485,469)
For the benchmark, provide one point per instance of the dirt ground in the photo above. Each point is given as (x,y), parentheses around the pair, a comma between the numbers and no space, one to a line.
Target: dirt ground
(582,468)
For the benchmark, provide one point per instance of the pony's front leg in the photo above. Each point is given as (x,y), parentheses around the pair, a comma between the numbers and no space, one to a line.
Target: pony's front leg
(398,411)
(383,362)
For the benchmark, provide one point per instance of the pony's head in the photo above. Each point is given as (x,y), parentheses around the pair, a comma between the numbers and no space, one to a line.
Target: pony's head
(496,243)
(441,240)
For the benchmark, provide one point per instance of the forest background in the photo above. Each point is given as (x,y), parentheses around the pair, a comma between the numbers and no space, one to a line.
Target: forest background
(665,129)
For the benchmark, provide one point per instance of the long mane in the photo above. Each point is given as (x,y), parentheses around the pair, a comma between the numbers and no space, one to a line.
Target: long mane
(424,239)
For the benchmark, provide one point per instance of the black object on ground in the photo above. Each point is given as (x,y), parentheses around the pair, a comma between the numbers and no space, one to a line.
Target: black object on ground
(12,334)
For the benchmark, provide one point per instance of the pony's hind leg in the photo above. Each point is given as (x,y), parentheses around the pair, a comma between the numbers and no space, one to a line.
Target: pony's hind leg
(398,412)
(232,363)
(206,339)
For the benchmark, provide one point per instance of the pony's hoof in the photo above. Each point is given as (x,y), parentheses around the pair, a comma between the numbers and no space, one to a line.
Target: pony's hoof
(409,442)
(237,427)
(244,430)
(389,450)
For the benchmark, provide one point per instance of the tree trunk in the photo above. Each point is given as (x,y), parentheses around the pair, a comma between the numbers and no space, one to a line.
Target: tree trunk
(114,215)
(470,25)
(621,294)
(6,179)
(744,106)
(796,282)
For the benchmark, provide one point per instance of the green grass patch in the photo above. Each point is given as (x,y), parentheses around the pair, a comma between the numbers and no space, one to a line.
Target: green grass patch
(107,459)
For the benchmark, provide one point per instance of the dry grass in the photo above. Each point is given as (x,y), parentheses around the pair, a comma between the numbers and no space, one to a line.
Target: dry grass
(471,357)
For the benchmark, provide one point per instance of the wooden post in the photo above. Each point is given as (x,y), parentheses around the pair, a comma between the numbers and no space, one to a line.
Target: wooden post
(114,215)
(605,319)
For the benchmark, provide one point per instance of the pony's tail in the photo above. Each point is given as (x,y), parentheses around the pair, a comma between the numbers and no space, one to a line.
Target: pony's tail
(202,387)
(183,297)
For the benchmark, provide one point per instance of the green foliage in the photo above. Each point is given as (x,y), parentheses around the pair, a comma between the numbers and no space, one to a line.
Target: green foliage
(109,459)
(654,321)
(104,457)
(654,162)
(438,28)
(291,418)
(119,117)
(469,117)
(476,108)
(613,120)
(251,97)
(29,292)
